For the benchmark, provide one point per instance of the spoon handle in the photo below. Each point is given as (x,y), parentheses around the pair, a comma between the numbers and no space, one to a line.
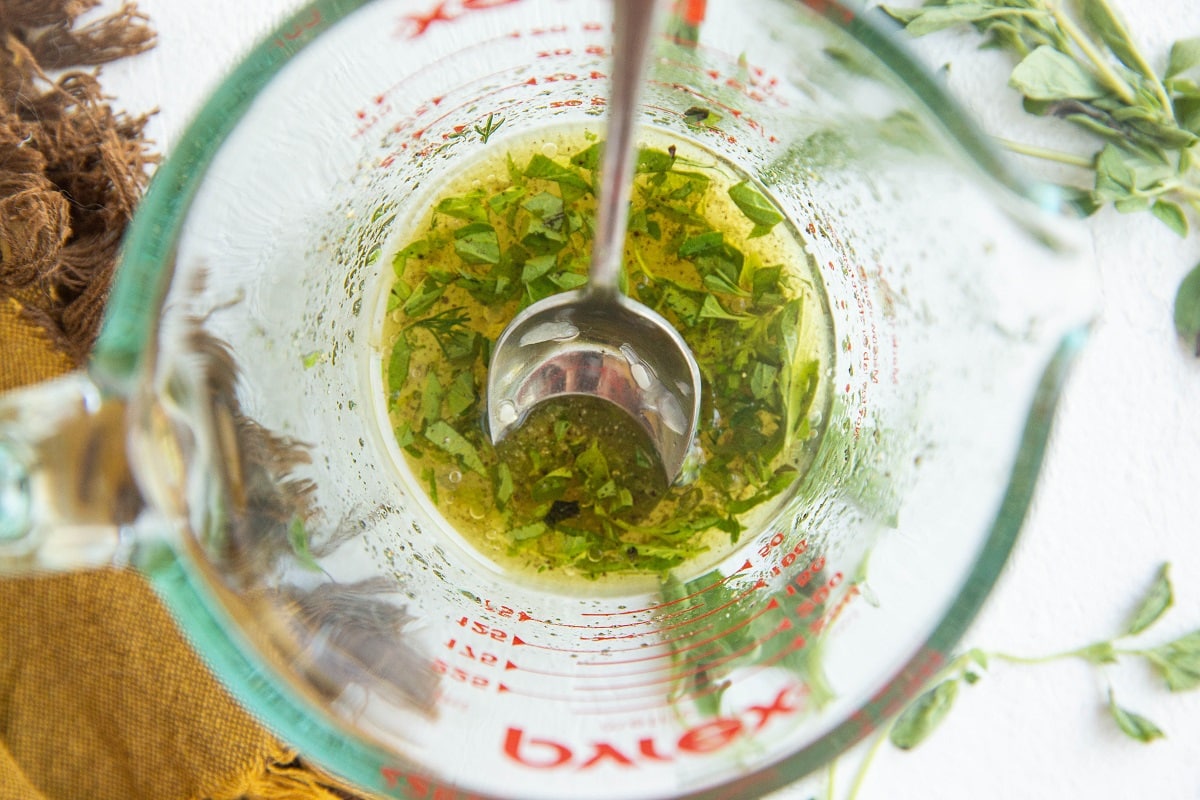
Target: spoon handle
(633,25)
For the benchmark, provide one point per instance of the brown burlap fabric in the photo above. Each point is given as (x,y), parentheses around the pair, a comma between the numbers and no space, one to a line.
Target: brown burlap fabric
(100,695)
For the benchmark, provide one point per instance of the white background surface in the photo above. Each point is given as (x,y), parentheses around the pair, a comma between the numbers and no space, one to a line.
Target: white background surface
(1120,493)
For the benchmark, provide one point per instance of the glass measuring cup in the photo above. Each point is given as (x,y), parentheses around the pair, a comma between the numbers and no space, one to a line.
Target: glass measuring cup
(229,440)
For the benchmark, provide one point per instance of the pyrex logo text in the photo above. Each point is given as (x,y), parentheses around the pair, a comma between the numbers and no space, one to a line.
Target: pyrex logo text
(706,737)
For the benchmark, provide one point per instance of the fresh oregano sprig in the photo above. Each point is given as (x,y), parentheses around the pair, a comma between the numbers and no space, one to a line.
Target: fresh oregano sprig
(1176,661)
(1080,63)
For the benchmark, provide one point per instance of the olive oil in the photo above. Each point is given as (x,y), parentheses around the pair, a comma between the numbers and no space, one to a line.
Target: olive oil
(576,491)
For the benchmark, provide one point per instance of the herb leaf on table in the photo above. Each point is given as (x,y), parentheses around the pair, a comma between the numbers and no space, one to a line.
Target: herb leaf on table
(1176,662)
(1083,66)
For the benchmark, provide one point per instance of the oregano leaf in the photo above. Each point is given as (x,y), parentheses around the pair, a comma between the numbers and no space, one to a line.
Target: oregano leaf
(1115,176)
(469,207)
(978,656)
(755,207)
(1156,602)
(1187,309)
(1047,74)
(1171,214)
(1135,726)
(1111,29)
(921,718)
(1185,56)
(298,539)
(930,19)
(441,435)
(1099,653)
(1178,662)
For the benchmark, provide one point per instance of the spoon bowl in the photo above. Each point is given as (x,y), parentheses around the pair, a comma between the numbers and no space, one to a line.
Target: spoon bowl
(596,341)
(609,347)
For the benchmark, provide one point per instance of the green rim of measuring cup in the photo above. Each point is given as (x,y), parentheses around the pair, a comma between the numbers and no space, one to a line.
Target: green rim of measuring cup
(129,331)
(148,252)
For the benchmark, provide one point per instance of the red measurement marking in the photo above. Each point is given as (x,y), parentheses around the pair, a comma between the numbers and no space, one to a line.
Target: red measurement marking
(810,572)
(776,541)
(468,652)
(500,610)
(497,110)
(759,585)
(517,640)
(607,638)
(810,605)
(639,623)
(504,688)
(693,11)
(722,633)
(483,629)
(705,665)
(670,654)
(448,9)
(299,29)
(642,648)
(831,9)
(433,67)
(415,25)
(548,30)
(798,642)
(670,674)
(440,667)
(845,601)
(722,582)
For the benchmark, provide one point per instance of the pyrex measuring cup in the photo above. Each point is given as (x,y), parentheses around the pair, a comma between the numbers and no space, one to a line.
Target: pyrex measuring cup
(229,438)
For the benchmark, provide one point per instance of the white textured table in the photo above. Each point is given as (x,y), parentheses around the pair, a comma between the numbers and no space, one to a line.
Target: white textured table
(1120,492)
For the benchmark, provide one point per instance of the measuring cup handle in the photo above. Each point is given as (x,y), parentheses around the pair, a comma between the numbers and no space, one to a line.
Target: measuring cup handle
(67,496)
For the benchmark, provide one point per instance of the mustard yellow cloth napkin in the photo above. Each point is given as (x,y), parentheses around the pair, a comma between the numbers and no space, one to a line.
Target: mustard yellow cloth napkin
(101,697)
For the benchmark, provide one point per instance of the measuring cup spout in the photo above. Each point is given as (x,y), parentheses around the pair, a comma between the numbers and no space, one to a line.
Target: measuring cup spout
(67,495)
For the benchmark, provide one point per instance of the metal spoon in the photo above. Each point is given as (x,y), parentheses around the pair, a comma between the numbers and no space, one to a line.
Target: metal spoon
(596,341)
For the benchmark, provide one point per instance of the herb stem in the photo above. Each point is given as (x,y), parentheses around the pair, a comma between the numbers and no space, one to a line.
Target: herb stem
(1104,70)
(1086,653)
(1137,652)
(1184,190)
(1029,660)
(830,779)
(1046,155)
(1142,66)
(861,775)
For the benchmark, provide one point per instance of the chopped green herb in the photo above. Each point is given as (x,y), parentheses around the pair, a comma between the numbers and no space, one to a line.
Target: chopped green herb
(488,127)
(444,437)
(756,208)
(577,487)
(298,539)
(469,207)
(699,116)
(477,243)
